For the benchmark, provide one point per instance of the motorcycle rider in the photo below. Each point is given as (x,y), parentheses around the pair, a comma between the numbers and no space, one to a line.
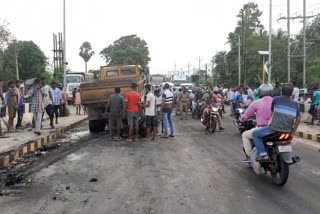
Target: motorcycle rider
(285,119)
(210,98)
(262,108)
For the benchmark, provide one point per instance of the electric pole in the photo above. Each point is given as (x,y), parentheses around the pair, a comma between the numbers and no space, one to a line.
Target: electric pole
(239,61)
(304,44)
(302,53)
(243,45)
(199,60)
(64,47)
(270,45)
(188,65)
(289,44)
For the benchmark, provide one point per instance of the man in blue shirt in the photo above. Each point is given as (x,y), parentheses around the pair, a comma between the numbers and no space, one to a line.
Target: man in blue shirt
(285,119)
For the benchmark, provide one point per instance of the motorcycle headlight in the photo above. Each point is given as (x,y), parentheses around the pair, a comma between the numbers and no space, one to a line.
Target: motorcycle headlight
(214,109)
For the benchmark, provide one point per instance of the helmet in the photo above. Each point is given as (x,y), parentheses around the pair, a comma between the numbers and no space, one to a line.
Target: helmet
(215,89)
(266,90)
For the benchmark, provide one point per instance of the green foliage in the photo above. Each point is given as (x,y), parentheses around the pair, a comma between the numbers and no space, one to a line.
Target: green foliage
(5,35)
(256,39)
(86,53)
(128,49)
(314,70)
(31,61)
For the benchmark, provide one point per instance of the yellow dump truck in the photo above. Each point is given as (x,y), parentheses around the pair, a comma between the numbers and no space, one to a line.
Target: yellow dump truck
(95,93)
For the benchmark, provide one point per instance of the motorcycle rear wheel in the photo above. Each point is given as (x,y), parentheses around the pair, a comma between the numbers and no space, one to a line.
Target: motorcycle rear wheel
(281,176)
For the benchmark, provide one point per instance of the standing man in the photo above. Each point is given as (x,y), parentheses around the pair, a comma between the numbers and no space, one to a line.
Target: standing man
(37,94)
(277,90)
(2,104)
(158,108)
(132,101)
(64,99)
(295,92)
(12,104)
(249,90)
(184,101)
(231,98)
(177,97)
(314,108)
(56,99)
(167,105)
(20,105)
(150,112)
(115,107)
(47,102)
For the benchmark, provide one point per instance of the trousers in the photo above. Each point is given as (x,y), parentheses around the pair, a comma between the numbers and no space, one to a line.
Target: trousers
(246,139)
(258,137)
(37,119)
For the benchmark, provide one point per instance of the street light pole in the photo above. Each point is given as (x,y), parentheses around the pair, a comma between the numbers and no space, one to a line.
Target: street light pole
(239,61)
(64,47)
(270,37)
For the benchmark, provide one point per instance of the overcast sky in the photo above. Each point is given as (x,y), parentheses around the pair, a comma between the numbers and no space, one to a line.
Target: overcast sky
(175,30)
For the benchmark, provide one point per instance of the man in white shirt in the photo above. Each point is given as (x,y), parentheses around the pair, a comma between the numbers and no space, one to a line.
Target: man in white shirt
(295,93)
(150,112)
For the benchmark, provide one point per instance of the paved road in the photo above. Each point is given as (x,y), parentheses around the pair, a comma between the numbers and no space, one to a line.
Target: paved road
(195,172)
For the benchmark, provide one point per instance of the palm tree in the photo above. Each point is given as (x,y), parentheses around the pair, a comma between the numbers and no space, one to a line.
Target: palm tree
(86,53)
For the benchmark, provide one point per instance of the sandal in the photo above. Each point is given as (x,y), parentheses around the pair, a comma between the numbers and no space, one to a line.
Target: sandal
(263,158)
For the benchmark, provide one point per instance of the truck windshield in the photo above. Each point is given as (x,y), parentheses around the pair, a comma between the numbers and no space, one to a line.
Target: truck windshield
(112,73)
(73,79)
(157,80)
(128,71)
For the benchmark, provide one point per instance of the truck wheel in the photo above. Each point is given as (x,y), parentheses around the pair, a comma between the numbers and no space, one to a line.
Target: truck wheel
(97,125)
(92,126)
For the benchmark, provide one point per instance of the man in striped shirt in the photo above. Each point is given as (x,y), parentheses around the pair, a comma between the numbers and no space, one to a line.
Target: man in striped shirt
(167,105)
(285,119)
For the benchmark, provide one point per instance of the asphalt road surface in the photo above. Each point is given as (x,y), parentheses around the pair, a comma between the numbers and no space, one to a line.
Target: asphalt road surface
(194,172)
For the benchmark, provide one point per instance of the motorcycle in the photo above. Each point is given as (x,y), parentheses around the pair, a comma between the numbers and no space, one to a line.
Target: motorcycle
(211,121)
(196,109)
(279,149)
(244,126)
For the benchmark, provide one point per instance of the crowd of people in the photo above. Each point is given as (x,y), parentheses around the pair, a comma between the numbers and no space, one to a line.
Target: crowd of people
(43,98)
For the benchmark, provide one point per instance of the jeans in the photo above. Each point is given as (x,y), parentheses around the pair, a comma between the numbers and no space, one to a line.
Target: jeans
(20,115)
(258,137)
(232,107)
(166,116)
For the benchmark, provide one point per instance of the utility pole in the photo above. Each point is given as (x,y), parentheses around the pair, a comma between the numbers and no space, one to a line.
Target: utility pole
(302,53)
(64,47)
(304,44)
(289,44)
(206,74)
(270,45)
(16,59)
(242,45)
(239,61)
(188,65)
(199,60)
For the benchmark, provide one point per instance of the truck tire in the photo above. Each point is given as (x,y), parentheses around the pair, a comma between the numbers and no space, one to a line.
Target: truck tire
(97,125)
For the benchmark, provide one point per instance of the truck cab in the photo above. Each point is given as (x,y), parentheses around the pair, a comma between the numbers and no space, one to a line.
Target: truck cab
(95,93)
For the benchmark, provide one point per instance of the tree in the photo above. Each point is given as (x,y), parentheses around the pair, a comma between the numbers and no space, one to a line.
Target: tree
(5,35)
(128,49)
(32,62)
(86,53)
